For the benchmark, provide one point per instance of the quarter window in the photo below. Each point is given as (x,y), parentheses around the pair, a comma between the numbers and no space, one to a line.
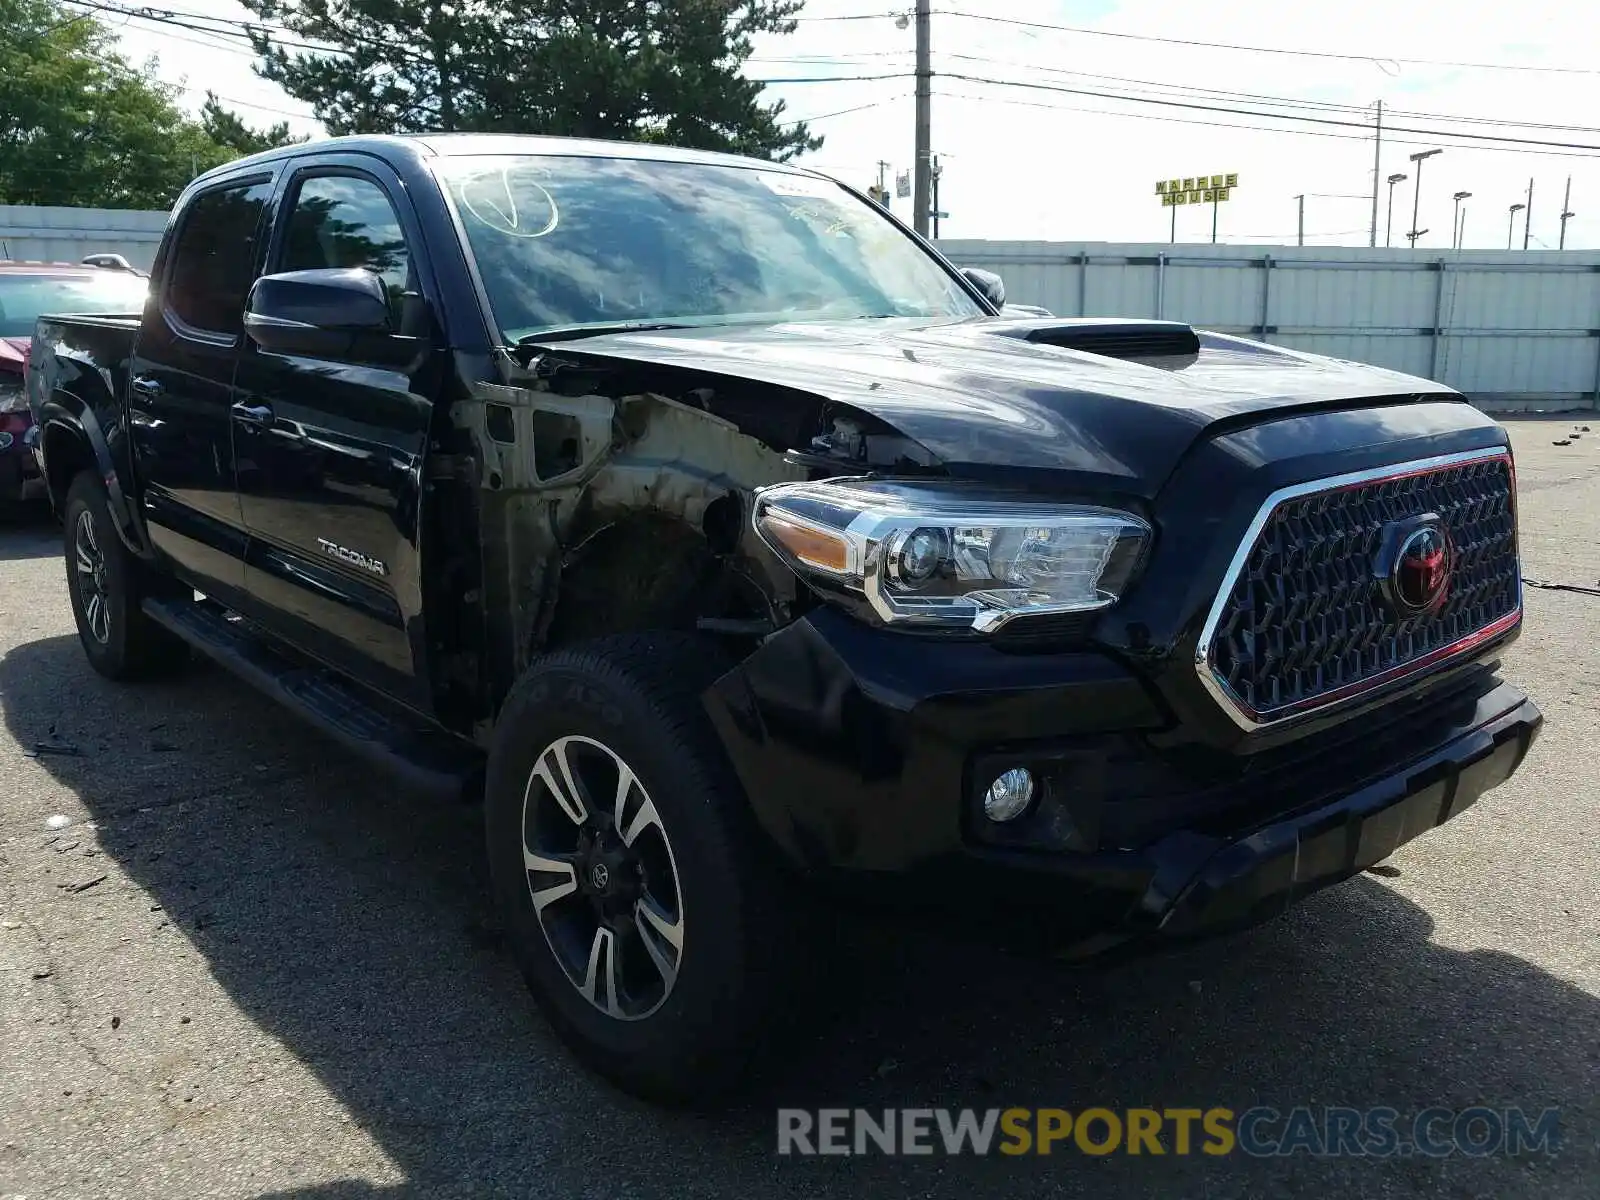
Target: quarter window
(214,257)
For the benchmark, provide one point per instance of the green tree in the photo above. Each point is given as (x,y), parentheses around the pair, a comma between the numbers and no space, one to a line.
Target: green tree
(643,70)
(80,125)
(229,131)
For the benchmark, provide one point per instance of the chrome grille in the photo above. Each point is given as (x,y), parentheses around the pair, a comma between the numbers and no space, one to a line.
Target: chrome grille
(1302,621)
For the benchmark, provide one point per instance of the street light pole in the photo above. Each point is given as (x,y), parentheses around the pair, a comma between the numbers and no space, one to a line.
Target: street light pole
(1511,222)
(1455,221)
(1419,158)
(1566,212)
(1388,221)
(1301,236)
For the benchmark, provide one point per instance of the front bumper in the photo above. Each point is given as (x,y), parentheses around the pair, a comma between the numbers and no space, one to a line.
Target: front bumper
(864,754)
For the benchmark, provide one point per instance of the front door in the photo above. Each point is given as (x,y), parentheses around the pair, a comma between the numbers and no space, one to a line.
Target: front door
(330,451)
(181,382)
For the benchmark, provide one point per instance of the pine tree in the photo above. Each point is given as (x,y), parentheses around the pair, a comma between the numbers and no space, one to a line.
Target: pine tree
(641,70)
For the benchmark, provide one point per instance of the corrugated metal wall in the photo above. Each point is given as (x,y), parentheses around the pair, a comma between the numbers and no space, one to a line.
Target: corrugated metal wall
(67,234)
(1509,328)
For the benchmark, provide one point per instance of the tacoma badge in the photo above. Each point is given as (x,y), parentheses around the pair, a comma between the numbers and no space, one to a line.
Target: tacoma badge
(354,557)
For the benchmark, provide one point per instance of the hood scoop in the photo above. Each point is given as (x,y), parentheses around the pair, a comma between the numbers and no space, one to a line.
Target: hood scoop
(1119,339)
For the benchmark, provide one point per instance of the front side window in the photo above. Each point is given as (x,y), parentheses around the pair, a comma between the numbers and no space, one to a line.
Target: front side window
(347,221)
(575,241)
(26,298)
(214,257)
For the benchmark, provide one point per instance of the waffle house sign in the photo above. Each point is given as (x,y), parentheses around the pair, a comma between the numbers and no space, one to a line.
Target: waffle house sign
(1196,189)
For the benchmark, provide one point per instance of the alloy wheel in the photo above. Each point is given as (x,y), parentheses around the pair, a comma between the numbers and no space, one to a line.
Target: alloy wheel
(602,877)
(93,589)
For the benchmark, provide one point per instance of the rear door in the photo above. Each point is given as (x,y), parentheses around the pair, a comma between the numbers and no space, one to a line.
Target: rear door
(181,383)
(330,451)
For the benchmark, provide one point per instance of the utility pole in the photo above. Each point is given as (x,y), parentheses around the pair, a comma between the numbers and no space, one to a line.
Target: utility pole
(1461,230)
(1527,217)
(924,173)
(883,187)
(1377,168)
(1301,236)
(1566,212)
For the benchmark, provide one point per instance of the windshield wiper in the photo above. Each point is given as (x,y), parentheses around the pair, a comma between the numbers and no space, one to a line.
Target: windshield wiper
(569,333)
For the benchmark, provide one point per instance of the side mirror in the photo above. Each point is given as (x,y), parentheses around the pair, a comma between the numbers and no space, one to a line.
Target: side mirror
(988,283)
(326,313)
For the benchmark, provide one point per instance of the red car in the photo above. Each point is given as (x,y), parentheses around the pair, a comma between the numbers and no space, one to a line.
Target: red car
(27,291)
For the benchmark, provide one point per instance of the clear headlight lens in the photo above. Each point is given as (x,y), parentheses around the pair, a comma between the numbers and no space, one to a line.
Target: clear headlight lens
(931,554)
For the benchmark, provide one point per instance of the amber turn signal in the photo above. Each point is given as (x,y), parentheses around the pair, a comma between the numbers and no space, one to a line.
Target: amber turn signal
(814,547)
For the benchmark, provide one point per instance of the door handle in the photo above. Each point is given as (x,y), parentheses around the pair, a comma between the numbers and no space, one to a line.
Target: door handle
(146,387)
(253,414)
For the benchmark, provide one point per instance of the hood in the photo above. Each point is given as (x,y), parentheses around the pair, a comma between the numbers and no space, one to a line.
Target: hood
(995,396)
(13,353)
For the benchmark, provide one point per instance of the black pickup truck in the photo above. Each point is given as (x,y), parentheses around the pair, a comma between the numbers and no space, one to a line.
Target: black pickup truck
(736,547)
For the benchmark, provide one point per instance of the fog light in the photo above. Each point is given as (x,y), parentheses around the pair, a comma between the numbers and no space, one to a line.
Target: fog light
(5,441)
(1009,795)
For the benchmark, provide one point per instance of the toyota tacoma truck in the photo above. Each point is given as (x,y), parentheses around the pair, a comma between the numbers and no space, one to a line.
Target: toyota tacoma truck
(735,547)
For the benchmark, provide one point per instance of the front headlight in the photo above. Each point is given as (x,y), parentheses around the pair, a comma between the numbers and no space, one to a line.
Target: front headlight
(942,555)
(13,397)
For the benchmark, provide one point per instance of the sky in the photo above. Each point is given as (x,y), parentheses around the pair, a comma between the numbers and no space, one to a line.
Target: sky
(1039,163)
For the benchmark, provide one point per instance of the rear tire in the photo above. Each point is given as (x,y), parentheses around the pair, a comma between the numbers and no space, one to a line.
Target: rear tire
(667,986)
(107,587)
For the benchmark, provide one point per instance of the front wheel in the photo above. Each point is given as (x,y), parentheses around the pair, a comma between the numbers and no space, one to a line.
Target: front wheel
(638,898)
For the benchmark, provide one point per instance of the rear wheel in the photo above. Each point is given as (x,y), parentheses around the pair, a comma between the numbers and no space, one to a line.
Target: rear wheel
(639,899)
(105,583)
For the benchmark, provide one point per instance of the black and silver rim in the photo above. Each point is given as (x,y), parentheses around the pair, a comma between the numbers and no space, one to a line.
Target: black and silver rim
(92,588)
(602,877)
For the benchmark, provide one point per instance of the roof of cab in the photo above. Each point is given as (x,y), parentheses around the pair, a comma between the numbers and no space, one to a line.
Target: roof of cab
(449,145)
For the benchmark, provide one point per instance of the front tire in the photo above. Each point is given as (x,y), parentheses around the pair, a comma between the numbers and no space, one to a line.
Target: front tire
(104,582)
(637,895)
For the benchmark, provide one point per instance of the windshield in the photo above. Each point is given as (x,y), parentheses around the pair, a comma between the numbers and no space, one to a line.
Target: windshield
(563,242)
(25,298)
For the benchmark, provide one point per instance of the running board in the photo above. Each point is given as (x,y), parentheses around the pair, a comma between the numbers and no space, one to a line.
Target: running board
(421,757)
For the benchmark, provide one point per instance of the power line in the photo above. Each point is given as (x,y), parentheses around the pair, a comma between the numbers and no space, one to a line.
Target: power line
(1139,116)
(837,78)
(1364,58)
(239,30)
(851,17)
(1164,86)
(843,111)
(1434,133)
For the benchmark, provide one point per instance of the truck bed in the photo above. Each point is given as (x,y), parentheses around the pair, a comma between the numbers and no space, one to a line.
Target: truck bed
(86,355)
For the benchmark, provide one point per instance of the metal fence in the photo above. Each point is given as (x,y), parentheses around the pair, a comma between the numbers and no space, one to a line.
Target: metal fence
(1513,330)
(67,234)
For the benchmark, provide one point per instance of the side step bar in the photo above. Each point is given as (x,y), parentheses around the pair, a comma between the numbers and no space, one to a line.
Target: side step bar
(420,757)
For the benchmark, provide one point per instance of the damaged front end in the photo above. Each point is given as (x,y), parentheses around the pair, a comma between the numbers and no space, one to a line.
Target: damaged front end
(611,500)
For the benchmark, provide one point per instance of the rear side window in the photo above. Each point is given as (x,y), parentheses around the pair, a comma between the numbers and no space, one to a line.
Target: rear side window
(347,221)
(214,257)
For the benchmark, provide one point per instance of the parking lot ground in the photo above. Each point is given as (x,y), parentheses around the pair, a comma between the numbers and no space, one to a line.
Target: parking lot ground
(234,964)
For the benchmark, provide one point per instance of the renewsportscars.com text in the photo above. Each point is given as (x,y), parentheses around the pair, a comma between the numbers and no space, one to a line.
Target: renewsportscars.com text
(1260,1132)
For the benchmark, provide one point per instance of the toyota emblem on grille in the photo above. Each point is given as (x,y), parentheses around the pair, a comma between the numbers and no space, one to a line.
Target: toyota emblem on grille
(1414,565)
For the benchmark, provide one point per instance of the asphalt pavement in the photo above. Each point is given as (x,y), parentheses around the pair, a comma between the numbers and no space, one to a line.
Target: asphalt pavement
(235,964)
